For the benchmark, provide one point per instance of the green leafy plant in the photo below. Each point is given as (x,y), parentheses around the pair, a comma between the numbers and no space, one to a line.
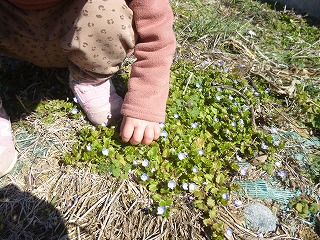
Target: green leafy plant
(208,129)
(304,206)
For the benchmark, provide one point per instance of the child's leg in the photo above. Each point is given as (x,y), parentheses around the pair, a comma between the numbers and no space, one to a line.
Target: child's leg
(92,38)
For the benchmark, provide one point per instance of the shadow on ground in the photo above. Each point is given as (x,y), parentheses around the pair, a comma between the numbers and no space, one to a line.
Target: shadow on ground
(23,86)
(24,216)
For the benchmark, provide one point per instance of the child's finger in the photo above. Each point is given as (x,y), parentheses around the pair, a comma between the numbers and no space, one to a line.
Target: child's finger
(137,135)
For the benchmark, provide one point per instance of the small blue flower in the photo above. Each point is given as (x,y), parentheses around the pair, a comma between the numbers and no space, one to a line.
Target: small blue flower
(176,115)
(218,97)
(200,152)
(105,151)
(225,196)
(192,186)
(89,147)
(197,85)
(213,83)
(276,142)
(194,125)
(161,124)
(144,177)
(267,91)
(205,62)
(75,99)
(216,119)
(264,146)
(241,121)
(171,184)
(226,70)
(103,124)
(237,203)
(161,210)
(219,89)
(229,232)
(234,124)
(227,131)
(243,171)
(185,186)
(74,111)
(195,170)
(282,174)
(246,107)
(134,162)
(256,93)
(235,81)
(260,235)
(164,134)
(230,98)
(239,158)
(220,62)
(236,103)
(274,130)
(145,163)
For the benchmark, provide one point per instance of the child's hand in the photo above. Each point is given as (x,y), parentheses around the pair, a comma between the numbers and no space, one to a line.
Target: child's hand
(139,131)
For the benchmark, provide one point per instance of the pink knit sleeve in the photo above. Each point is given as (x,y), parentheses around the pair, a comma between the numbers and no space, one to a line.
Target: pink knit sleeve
(149,80)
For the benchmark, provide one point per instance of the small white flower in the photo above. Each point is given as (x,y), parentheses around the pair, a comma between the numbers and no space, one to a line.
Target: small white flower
(182,155)
(205,183)
(152,170)
(134,162)
(230,98)
(235,81)
(161,124)
(260,235)
(252,33)
(243,171)
(194,125)
(256,93)
(89,147)
(277,163)
(238,203)
(195,169)
(105,151)
(161,210)
(200,152)
(74,111)
(192,186)
(225,196)
(75,99)
(229,232)
(227,131)
(264,146)
(176,115)
(218,97)
(219,89)
(241,121)
(145,163)
(197,85)
(185,186)
(171,184)
(144,177)
(239,158)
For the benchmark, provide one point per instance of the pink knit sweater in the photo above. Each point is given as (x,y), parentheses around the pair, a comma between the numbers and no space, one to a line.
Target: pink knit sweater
(149,81)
